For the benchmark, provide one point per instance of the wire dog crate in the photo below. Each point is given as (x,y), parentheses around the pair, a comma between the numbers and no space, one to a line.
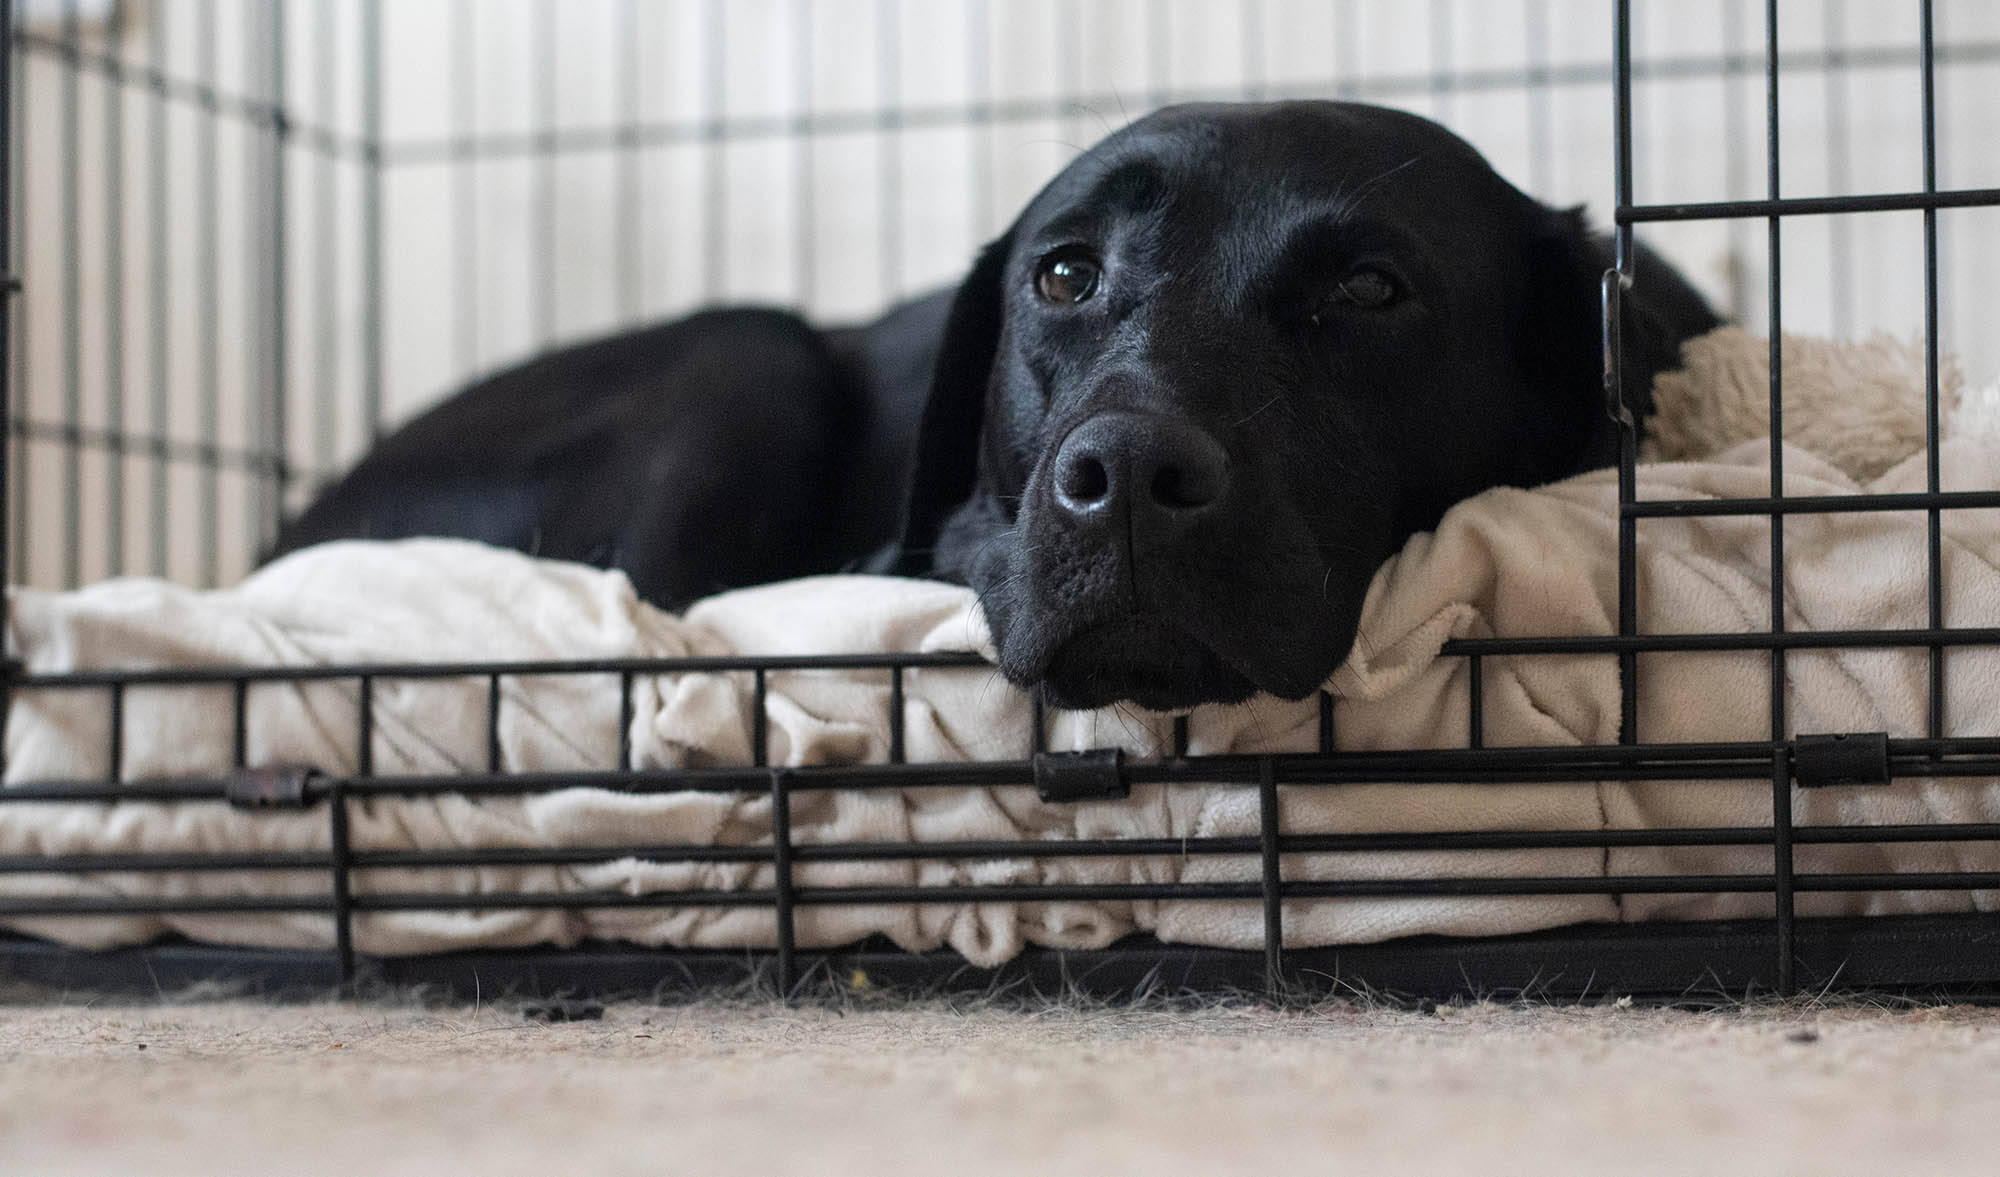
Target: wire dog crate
(309,384)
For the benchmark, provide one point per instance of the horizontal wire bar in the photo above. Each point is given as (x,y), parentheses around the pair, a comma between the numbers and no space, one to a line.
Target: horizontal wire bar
(164,905)
(1448,886)
(202,675)
(1420,769)
(1739,761)
(1806,206)
(360,148)
(186,860)
(1553,644)
(821,123)
(1669,643)
(117,441)
(745,663)
(204,97)
(1580,764)
(1811,504)
(990,849)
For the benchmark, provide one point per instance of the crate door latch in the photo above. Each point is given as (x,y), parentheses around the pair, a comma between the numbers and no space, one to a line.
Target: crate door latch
(1097,775)
(1849,758)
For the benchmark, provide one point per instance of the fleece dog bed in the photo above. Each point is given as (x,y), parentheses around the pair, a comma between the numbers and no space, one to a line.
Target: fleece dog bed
(1509,562)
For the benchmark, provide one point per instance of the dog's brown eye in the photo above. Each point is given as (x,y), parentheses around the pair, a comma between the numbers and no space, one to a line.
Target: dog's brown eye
(1067,278)
(1366,289)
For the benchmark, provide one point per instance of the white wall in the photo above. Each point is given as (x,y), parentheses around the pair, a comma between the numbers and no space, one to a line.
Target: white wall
(930,122)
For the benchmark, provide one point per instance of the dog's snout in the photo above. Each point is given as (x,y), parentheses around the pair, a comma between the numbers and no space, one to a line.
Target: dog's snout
(1141,464)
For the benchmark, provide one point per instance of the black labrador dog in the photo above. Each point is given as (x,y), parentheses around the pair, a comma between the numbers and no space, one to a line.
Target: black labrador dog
(1216,373)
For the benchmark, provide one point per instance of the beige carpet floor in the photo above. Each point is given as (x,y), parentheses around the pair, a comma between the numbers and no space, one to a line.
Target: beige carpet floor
(374,1091)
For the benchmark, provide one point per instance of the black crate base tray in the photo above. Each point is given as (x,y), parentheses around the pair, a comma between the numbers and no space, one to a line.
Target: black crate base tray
(1955,956)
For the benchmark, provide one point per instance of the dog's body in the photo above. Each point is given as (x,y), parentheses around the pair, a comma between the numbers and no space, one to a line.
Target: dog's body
(1216,373)
(730,448)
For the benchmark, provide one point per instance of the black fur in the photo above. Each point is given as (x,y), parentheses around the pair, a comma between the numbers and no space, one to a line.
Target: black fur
(1174,491)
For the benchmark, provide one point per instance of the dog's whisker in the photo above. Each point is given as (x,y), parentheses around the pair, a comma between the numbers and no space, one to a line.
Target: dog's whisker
(1259,409)
(1362,192)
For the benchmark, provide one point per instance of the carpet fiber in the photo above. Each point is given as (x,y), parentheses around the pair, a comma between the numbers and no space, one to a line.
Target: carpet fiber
(375,1091)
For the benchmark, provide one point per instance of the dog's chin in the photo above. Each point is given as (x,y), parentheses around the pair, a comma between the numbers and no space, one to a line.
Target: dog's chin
(1145,660)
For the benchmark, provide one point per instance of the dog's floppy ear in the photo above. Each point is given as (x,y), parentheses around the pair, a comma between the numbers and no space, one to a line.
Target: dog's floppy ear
(1562,339)
(946,467)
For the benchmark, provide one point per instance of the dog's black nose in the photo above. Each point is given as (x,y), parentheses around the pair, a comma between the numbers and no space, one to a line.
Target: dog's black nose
(1154,468)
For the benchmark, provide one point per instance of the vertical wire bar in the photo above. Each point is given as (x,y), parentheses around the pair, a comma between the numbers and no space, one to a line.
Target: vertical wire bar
(1346,49)
(1839,173)
(1251,15)
(115,751)
(1781,779)
(630,258)
(1628,441)
(783,894)
(625,721)
(1735,178)
(265,404)
(13,361)
(1273,877)
(542,283)
(1541,103)
(364,766)
(114,323)
(888,96)
(239,723)
(805,258)
(68,199)
(340,855)
(759,724)
(8,301)
(1180,737)
(371,219)
(1327,741)
(1475,720)
(1159,54)
(1068,27)
(1932,474)
(1443,86)
(209,333)
(465,185)
(979,100)
(158,281)
(896,749)
(1038,731)
(364,737)
(715,191)
(493,723)
(326,261)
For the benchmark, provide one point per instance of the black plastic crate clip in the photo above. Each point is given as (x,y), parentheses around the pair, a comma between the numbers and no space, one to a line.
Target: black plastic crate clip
(1847,758)
(275,786)
(1097,775)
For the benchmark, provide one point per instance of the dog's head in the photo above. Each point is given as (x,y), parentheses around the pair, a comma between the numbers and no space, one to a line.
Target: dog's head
(1221,368)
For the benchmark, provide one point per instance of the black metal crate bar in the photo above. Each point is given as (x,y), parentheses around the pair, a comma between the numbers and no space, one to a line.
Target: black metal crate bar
(1774,209)
(1747,762)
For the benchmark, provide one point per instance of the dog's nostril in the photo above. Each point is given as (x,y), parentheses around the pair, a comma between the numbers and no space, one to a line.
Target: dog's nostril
(1176,489)
(1085,480)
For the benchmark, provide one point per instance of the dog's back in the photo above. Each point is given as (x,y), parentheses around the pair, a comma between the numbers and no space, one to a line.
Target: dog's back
(729,448)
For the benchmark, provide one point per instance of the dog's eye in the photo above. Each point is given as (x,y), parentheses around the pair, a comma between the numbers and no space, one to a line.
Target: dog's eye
(1068,277)
(1366,289)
